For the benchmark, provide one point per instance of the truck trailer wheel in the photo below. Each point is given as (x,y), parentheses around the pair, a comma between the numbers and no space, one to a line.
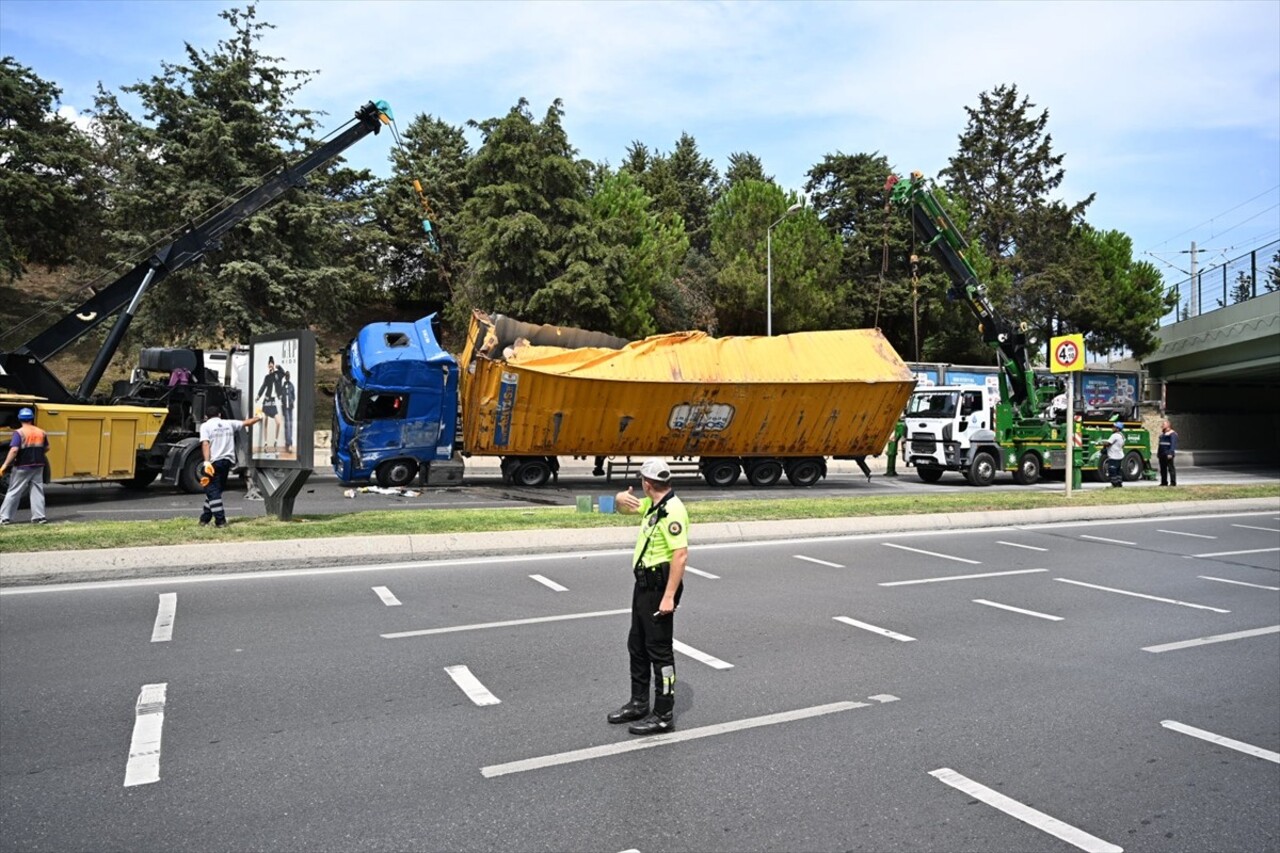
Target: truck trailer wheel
(1029,469)
(929,474)
(396,473)
(721,473)
(532,473)
(804,472)
(764,473)
(982,471)
(1132,467)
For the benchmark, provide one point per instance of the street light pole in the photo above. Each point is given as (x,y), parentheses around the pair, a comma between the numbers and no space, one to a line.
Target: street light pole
(768,281)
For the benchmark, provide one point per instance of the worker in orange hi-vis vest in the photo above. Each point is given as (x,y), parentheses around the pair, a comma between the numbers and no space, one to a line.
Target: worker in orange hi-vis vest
(28,450)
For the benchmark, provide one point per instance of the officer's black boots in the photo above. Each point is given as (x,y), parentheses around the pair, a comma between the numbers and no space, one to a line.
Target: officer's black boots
(653,724)
(636,709)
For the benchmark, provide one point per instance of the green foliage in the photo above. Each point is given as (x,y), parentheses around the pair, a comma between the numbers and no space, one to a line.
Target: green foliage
(526,228)
(1121,306)
(806,262)
(643,251)
(215,126)
(436,154)
(682,182)
(744,166)
(48,188)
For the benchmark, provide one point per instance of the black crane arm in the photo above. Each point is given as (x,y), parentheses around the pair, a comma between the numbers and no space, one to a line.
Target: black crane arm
(125,293)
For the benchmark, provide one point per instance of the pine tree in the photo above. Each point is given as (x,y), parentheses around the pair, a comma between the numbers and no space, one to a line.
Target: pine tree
(48,188)
(216,125)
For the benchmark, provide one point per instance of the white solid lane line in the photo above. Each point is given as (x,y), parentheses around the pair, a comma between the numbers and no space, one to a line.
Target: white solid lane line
(1238,553)
(1109,541)
(701,657)
(700,573)
(386,596)
(144,748)
(162,631)
(662,740)
(1019,545)
(549,584)
(509,623)
(963,577)
(1038,819)
(1238,583)
(1017,609)
(1263,529)
(816,560)
(1229,743)
(902,638)
(1184,533)
(932,554)
(471,686)
(1216,638)
(1144,595)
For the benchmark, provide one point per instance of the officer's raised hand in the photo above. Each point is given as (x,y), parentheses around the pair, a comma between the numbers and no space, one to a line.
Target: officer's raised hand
(627,501)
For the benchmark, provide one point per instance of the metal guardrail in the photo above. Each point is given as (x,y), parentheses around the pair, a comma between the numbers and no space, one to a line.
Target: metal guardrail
(1237,280)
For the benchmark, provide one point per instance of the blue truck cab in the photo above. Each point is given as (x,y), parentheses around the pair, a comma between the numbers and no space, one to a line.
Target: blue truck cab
(395,413)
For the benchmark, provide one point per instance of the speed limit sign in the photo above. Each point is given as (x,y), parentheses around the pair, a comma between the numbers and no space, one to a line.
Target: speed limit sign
(1067,353)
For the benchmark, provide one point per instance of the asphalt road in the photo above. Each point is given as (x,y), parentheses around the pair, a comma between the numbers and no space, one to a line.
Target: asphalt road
(323,494)
(860,693)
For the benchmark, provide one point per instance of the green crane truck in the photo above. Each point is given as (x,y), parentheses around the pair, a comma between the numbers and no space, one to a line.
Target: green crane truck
(1012,426)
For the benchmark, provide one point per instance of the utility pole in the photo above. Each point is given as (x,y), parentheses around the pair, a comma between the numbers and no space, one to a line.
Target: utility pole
(1194,310)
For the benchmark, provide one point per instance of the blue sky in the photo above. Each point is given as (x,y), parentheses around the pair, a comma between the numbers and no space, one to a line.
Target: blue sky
(1169,111)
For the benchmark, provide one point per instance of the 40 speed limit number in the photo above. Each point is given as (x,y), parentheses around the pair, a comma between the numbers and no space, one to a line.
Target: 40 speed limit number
(1067,353)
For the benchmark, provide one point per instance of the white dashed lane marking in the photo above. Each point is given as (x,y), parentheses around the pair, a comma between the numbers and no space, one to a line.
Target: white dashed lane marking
(884,632)
(1038,819)
(386,596)
(963,577)
(1238,583)
(1184,533)
(816,560)
(1216,638)
(1229,743)
(700,573)
(1017,610)
(1252,527)
(549,584)
(678,736)
(1144,595)
(426,632)
(1237,553)
(1020,545)
(148,726)
(162,631)
(701,657)
(471,686)
(932,554)
(1108,541)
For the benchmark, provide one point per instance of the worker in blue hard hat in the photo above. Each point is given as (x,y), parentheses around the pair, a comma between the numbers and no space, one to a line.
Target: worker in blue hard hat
(28,450)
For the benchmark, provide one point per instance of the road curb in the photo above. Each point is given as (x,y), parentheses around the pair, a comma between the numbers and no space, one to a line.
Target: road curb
(22,569)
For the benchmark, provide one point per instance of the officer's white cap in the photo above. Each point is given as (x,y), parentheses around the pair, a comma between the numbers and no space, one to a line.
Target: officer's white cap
(656,470)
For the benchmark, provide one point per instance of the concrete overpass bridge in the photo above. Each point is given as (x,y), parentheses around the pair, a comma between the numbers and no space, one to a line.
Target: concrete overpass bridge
(1219,377)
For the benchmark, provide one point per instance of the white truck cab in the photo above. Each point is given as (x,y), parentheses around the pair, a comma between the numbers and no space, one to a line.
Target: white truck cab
(947,426)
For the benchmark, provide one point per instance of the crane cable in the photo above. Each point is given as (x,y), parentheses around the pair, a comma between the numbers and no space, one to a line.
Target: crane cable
(429,215)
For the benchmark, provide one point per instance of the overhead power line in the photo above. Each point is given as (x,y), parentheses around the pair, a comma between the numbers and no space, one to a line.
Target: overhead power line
(1217,216)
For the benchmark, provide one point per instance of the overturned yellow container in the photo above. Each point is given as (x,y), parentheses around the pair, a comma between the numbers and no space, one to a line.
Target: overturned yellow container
(807,394)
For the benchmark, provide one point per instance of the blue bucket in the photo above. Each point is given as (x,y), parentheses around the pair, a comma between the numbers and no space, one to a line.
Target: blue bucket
(606,503)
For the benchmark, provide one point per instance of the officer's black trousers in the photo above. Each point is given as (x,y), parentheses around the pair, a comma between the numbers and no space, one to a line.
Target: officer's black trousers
(650,647)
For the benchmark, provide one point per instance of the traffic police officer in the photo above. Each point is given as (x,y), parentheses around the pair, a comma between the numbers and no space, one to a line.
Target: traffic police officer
(662,549)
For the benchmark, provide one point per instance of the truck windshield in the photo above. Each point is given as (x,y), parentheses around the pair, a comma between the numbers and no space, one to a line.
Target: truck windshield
(933,404)
(348,398)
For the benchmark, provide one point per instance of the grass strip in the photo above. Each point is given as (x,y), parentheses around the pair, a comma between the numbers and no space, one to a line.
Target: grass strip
(18,538)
